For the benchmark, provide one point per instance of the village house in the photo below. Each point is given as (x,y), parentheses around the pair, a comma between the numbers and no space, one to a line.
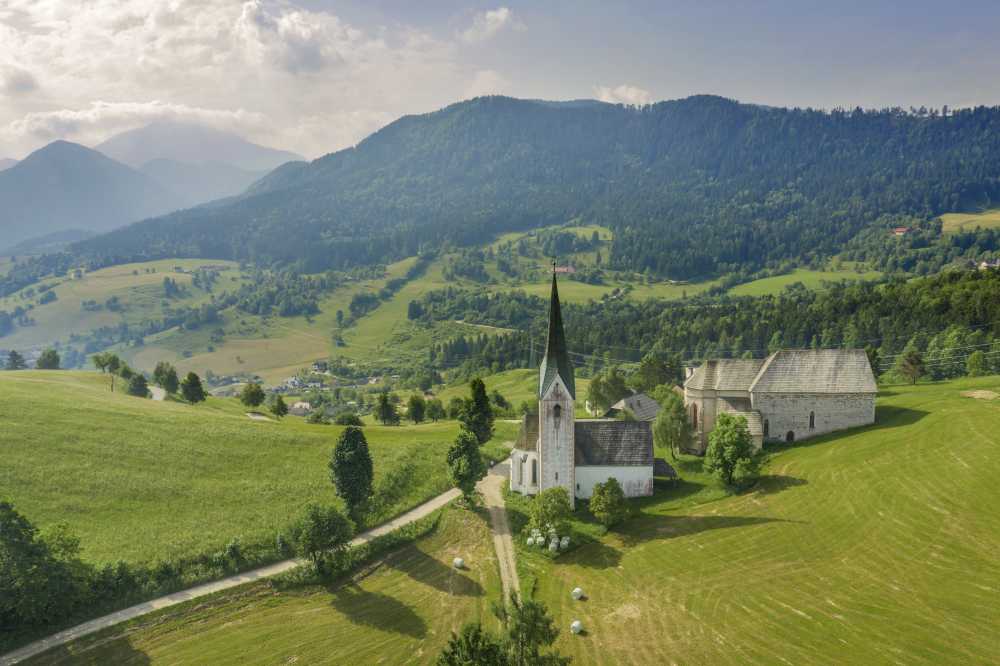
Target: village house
(791,395)
(556,449)
(639,405)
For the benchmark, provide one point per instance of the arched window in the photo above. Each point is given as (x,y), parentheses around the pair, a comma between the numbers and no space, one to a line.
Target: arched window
(534,471)
(694,415)
(520,473)
(767,428)
(790,437)
(812,420)
(557,411)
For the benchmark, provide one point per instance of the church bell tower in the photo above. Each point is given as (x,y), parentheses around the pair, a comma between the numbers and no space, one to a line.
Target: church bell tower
(556,398)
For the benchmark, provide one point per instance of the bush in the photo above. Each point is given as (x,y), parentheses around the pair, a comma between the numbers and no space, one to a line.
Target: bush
(730,456)
(608,503)
(348,419)
(551,508)
(138,387)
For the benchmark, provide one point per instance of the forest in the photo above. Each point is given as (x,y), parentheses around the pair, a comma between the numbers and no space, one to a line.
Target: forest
(691,188)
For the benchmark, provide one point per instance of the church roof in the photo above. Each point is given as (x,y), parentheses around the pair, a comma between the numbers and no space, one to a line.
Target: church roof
(816,371)
(725,374)
(556,361)
(640,404)
(614,443)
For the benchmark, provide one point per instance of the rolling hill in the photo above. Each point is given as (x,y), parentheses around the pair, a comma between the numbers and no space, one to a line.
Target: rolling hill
(6,163)
(65,186)
(692,188)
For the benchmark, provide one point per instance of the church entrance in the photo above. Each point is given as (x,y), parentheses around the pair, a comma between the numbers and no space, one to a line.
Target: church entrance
(790,437)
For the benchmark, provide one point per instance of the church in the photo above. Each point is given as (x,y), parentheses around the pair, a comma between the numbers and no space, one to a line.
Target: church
(555,448)
(791,395)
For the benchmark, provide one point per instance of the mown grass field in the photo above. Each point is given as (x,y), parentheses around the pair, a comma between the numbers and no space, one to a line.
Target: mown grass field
(401,610)
(810,278)
(873,546)
(953,222)
(142,481)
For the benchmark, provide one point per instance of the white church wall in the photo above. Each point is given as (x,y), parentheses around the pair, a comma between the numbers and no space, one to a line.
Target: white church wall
(635,481)
(524,472)
(789,412)
(556,438)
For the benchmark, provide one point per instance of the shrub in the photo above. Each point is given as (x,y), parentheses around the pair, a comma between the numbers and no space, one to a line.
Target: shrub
(730,455)
(608,503)
(551,507)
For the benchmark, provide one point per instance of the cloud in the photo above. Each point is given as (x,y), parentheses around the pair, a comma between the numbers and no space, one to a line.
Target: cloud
(486,25)
(16,81)
(623,94)
(101,119)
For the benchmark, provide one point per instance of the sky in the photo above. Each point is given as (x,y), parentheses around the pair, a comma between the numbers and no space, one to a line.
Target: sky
(314,76)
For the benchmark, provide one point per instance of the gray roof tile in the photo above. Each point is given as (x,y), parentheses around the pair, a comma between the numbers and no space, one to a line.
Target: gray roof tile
(816,371)
(603,442)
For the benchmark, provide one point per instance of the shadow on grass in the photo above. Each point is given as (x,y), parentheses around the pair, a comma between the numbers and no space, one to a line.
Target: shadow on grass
(425,569)
(772,484)
(379,611)
(650,528)
(117,650)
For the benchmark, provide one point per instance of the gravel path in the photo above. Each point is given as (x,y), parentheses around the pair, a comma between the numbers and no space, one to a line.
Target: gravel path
(492,489)
(138,610)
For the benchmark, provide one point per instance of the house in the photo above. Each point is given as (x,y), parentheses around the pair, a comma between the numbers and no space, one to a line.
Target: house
(986,265)
(793,394)
(300,408)
(643,407)
(901,231)
(554,448)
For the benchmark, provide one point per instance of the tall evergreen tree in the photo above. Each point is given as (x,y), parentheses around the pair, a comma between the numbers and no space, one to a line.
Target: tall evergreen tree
(477,417)
(351,471)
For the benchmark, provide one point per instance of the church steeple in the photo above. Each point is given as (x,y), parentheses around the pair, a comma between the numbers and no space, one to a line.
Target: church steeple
(556,362)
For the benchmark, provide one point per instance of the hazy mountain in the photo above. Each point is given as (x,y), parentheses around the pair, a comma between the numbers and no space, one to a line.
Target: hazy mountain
(198,183)
(191,144)
(53,242)
(694,187)
(6,163)
(66,186)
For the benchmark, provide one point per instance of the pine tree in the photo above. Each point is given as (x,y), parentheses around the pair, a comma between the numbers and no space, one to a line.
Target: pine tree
(192,389)
(351,471)
(477,417)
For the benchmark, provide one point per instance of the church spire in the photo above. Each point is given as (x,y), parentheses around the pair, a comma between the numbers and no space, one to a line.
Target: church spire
(556,361)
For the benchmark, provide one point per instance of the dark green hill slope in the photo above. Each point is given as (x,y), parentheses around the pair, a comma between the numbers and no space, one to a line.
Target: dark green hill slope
(691,187)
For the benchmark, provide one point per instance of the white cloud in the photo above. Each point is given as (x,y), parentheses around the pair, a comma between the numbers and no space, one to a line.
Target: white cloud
(304,80)
(623,94)
(485,25)
(16,81)
(487,82)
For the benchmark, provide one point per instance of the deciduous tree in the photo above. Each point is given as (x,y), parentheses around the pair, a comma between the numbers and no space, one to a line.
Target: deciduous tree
(730,456)
(671,430)
(137,386)
(192,389)
(435,410)
(49,360)
(252,395)
(416,408)
(322,535)
(465,465)
(608,503)
(550,507)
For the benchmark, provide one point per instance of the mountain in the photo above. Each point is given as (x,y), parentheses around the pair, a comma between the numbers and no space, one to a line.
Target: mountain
(191,144)
(66,186)
(694,187)
(53,242)
(6,163)
(198,183)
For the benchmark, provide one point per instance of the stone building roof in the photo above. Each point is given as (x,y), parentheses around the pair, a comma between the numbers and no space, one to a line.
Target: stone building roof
(816,371)
(725,374)
(556,361)
(640,404)
(616,443)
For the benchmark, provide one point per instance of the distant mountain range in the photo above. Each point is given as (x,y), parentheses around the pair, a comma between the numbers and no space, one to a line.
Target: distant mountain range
(66,186)
(692,188)
(73,192)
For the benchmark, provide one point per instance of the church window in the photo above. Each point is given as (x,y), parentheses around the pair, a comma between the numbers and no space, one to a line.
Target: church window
(557,476)
(520,473)
(790,437)
(694,414)
(812,420)
(767,427)
(534,472)
(557,411)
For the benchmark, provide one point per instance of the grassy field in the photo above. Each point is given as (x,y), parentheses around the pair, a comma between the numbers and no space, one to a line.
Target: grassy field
(876,546)
(810,278)
(139,287)
(952,222)
(515,385)
(399,611)
(873,546)
(143,480)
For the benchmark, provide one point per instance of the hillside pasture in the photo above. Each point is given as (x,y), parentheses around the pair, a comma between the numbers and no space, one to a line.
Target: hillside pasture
(955,222)
(400,610)
(877,545)
(141,480)
(812,279)
(138,287)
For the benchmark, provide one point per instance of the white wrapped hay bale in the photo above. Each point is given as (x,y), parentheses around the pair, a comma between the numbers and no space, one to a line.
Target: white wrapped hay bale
(554,546)
(531,541)
(458,563)
(564,543)
(577,593)
(576,627)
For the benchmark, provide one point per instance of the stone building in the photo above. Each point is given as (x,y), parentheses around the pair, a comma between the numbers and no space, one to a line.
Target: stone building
(791,395)
(556,449)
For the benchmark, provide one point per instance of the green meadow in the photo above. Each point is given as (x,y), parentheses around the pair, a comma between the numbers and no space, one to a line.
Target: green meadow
(812,279)
(141,480)
(877,545)
(953,222)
